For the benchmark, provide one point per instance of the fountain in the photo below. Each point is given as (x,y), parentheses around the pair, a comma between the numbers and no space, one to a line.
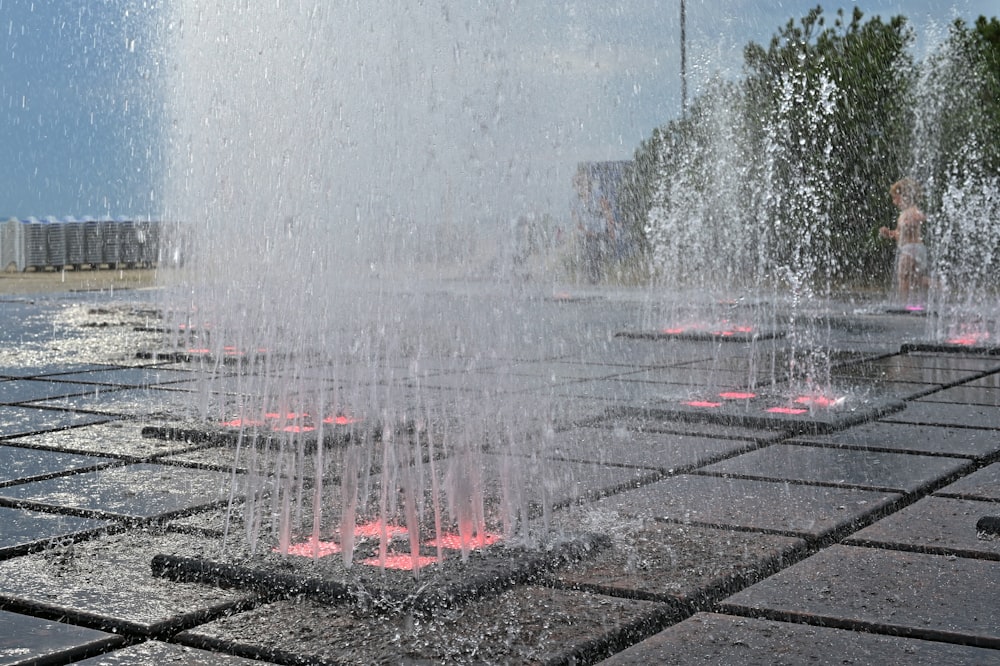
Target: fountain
(744,254)
(320,162)
(963,199)
(386,448)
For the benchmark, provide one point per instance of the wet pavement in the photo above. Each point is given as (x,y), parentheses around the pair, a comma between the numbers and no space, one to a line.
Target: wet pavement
(780,537)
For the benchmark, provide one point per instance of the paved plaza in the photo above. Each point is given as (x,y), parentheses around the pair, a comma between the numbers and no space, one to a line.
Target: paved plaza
(743,536)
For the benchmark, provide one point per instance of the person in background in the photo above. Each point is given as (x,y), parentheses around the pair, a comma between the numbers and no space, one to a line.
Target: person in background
(911,253)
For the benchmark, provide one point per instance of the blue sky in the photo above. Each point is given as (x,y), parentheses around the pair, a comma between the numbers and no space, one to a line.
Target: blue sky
(75,109)
(81,83)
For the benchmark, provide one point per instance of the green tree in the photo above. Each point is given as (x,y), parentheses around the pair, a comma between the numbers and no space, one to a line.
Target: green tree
(868,62)
(880,114)
(956,155)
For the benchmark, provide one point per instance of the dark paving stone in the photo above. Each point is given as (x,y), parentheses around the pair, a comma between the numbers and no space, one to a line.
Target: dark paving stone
(505,629)
(960,362)
(769,366)
(934,525)
(617,392)
(19,421)
(873,469)
(139,402)
(30,640)
(566,413)
(22,529)
(983,484)
(689,378)
(558,371)
(684,564)
(924,370)
(989,381)
(919,595)
(959,346)
(121,439)
(639,353)
(15,391)
(947,414)
(721,334)
(222,458)
(489,385)
(973,395)
(130,377)
(155,653)
(17,463)
(213,522)
(560,482)
(662,451)
(890,390)
(913,438)
(52,370)
(811,511)
(776,410)
(140,491)
(709,638)
(694,428)
(106,583)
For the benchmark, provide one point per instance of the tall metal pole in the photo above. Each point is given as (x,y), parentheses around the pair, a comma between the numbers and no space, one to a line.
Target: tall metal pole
(684,84)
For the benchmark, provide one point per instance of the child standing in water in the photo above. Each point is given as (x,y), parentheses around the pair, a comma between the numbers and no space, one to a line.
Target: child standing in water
(911,253)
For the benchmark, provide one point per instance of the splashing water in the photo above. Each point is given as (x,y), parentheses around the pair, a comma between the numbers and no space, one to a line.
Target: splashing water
(316,153)
(963,200)
(727,227)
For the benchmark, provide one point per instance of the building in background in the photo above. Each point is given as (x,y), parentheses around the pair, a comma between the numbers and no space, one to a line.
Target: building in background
(597,216)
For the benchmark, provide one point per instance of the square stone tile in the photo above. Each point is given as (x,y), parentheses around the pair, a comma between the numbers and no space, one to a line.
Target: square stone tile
(880,470)
(983,484)
(663,451)
(694,428)
(119,439)
(949,361)
(23,529)
(904,368)
(138,492)
(561,371)
(913,438)
(973,363)
(18,421)
(156,653)
(107,584)
(934,525)
(137,377)
(524,625)
(927,596)
(989,381)
(723,332)
(684,564)
(888,389)
(50,370)
(28,640)
(222,458)
(777,409)
(795,509)
(621,391)
(688,378)
(135,402)
(489,384)
(20,463)
(712,639)
(638,353)
(948,414)
(535,482)
(973,395)
(14,391)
